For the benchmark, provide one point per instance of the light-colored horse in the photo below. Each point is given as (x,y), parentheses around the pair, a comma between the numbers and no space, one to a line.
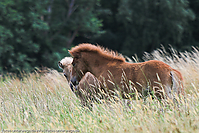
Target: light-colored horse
(66,66)
(114,73)
(87,89)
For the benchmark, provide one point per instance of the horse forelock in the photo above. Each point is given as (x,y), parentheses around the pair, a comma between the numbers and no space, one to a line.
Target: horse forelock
(105,52)
(66,61)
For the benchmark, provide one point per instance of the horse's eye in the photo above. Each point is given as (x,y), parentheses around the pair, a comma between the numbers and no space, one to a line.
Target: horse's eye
(73,63)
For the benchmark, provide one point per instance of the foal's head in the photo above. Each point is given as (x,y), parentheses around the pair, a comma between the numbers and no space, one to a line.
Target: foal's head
(79,68)
(88,56)
(81,58)
(66,66)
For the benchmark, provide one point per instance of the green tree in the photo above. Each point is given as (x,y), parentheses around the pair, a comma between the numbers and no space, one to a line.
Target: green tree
(68,20)
(147,24)
(114,35)
(194,5)
(35,33)
(20,31)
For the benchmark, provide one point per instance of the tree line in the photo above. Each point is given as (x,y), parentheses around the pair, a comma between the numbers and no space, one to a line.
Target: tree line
(40,32)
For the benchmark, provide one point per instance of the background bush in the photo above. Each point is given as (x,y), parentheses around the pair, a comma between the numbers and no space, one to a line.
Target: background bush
(40,32)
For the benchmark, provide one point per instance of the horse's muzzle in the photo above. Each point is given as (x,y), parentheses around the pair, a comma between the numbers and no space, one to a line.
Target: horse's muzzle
(72,87)
(65,76)
(73,83)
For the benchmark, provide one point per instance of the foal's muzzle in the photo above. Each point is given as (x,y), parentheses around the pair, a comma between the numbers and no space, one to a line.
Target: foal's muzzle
(73,83)
(65,76)
(72,87)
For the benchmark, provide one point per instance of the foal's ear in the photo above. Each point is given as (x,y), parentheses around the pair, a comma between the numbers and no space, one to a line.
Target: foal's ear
(71,54)
(74,54)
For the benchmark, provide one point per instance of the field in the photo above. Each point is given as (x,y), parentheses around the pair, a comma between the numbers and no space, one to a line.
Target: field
(45,102)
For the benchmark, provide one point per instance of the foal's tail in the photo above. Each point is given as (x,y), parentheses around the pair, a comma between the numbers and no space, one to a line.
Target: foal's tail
(177,82)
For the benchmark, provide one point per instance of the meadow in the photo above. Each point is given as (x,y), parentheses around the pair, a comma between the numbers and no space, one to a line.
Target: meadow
(45,102)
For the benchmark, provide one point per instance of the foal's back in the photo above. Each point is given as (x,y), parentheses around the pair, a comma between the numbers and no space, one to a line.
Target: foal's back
(156,75)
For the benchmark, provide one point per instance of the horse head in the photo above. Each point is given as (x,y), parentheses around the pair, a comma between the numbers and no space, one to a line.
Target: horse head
(66,66)
(79,68)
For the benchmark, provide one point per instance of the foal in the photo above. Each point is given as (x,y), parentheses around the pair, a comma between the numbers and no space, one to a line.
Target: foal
(88,88)
(114,73)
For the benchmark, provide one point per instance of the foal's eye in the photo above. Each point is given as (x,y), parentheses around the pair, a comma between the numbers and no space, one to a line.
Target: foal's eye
(73,63)
(74,60)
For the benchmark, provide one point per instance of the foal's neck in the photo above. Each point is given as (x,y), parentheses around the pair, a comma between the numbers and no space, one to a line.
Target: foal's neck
(98,64)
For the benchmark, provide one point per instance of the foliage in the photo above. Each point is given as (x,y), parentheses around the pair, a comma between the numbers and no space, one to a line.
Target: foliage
(40,32)
(147,24)
(21,32)
(69,19)
(194,27)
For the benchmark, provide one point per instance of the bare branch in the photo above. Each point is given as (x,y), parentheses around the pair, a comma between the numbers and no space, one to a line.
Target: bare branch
(73,37)
(70,8)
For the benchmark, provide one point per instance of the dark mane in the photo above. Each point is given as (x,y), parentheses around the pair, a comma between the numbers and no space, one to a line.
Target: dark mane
(86,47)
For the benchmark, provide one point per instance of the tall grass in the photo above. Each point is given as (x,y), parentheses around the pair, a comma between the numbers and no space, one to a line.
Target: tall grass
(46,102)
